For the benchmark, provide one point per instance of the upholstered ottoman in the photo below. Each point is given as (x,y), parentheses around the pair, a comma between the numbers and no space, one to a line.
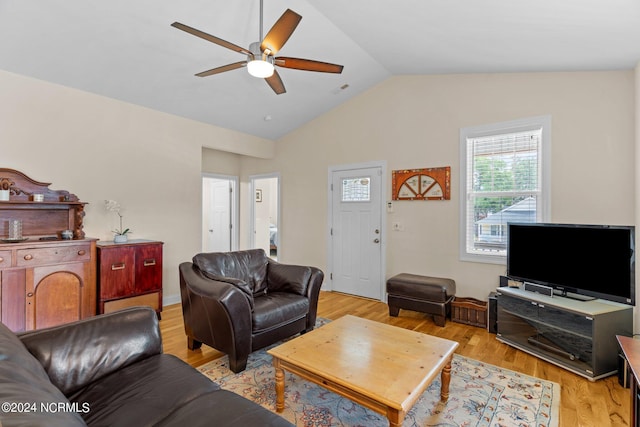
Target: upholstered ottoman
(431,295)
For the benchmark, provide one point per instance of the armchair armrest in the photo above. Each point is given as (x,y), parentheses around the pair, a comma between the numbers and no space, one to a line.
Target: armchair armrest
(76,354)
(215,313)
(313,293)
(298,279)
(288,278)
(240,284)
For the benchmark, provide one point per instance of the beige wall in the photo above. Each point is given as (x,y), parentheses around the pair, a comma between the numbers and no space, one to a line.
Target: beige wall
(151,162)
(99,148)
(414,122)
(221,162)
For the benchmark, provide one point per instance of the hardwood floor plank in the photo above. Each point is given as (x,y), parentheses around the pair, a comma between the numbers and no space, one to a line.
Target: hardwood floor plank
(584,403)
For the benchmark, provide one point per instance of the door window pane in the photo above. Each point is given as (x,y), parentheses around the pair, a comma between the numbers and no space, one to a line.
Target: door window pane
(356,189)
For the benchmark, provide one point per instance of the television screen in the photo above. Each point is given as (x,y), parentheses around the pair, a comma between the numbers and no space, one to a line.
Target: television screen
(592,260)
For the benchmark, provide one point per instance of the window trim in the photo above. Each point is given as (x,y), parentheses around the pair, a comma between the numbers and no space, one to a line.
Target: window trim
(543,204)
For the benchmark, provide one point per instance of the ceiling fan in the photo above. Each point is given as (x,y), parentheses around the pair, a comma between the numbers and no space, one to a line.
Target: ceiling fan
(261,57)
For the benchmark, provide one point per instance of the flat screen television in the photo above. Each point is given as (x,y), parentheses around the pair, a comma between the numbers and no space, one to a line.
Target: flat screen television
(596,261)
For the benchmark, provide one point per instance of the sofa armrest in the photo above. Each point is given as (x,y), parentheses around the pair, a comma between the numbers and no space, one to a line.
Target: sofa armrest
(78,353)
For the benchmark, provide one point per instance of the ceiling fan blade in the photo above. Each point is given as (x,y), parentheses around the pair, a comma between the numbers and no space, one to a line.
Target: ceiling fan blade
(276,83)
(308,65)
(209,37)
(280,32)
(222,69)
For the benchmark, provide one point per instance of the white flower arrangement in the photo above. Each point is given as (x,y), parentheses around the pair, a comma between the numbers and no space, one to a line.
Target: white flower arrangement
(113,206)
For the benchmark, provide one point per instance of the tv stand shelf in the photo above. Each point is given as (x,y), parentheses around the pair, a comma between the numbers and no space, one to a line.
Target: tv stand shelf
(579,336)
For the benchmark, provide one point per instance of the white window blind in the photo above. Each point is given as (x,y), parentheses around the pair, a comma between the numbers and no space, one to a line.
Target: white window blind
(503,183)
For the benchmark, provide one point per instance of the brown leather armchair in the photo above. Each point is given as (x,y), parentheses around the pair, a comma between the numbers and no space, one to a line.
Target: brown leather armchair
(239,302)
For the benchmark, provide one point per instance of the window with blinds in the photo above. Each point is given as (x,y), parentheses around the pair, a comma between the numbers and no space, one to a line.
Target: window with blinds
(503,182)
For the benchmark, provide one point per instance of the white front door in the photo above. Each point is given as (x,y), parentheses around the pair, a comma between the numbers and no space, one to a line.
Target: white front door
(356,231)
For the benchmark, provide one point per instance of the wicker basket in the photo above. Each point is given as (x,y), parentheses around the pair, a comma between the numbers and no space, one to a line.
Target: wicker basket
(469,311)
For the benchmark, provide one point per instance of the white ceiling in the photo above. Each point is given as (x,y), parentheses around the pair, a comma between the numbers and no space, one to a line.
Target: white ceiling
(127,50)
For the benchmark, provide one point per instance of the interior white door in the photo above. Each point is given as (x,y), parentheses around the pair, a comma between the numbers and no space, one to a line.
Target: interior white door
(218,224)
(356,232)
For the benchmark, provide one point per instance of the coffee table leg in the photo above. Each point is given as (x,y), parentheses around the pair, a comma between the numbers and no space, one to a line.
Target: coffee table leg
(445,380)
(395,417)
(279,385)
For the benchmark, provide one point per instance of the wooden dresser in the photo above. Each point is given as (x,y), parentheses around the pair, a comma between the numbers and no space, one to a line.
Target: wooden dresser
(129,274)
(44,280)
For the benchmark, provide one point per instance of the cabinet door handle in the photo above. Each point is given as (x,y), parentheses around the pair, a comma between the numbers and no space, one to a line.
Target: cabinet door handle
(1,259)
(28,257)
(118,266)
(30,294)
(149,262)
(82,252)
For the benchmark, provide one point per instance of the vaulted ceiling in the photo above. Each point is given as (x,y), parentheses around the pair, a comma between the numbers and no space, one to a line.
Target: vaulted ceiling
(127,50)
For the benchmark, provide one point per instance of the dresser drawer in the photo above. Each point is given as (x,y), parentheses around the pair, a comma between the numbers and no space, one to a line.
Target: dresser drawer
(5,258)
(53,255)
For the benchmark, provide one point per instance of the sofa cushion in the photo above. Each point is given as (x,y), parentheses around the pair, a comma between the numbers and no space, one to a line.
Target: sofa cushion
(249,266)
(155,387)
(278,308)
(230,409)
(13,350)
(76,355)
(23,380)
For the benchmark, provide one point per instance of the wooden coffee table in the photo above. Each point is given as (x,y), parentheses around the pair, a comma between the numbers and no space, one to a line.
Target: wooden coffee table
(382,367)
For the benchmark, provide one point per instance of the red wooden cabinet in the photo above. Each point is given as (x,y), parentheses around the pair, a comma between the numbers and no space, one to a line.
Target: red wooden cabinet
(129,274)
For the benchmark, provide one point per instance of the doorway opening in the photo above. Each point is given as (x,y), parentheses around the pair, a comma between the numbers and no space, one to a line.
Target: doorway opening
(219,213)
(265,214)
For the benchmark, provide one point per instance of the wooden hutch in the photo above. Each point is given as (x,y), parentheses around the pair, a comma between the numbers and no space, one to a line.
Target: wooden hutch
(45,280)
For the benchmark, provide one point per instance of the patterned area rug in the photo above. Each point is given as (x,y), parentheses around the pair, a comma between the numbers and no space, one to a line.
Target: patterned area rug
(480,395)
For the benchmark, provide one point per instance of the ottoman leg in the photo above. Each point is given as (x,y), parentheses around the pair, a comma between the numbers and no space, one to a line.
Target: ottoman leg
(393,311)
(439,320)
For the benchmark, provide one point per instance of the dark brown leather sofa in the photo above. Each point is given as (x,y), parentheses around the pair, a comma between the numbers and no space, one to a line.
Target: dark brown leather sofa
(238,302)
(109,370)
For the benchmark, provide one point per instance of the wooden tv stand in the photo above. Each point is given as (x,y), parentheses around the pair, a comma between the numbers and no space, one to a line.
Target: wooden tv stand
(579,336)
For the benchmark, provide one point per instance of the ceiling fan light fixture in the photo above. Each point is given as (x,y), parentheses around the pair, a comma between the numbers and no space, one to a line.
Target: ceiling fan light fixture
(261,55)
(260,68)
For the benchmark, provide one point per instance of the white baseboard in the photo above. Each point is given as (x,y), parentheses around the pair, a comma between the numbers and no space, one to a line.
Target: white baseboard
(170,299)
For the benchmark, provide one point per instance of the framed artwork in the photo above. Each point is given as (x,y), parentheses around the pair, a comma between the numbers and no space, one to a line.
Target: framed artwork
(421,184)
(258,195)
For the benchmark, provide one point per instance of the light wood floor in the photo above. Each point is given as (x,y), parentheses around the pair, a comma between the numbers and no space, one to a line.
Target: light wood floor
(583,403)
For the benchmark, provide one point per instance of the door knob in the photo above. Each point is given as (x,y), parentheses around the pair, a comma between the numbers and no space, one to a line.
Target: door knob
(376,241)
